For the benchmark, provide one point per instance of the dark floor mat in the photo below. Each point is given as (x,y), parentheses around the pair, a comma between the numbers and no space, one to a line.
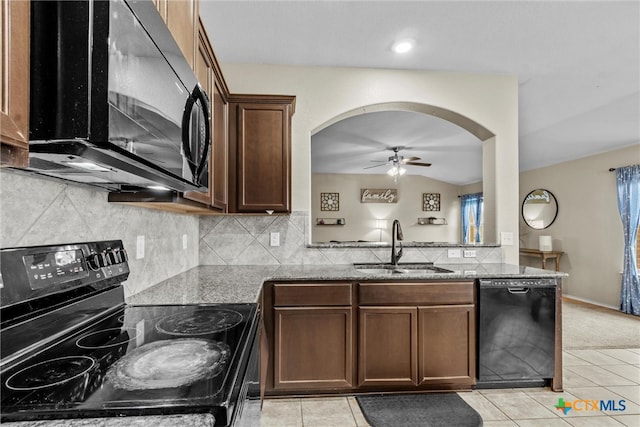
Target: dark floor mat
(418,410)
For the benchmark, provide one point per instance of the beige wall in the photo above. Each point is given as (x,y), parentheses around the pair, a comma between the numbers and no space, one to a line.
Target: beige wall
(588,227)
(360,217)
(325,93)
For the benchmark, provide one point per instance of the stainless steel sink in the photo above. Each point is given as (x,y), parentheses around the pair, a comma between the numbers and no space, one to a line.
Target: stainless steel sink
(402,268)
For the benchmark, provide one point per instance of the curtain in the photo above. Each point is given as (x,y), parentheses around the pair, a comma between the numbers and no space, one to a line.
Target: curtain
(628,185)
(471,203)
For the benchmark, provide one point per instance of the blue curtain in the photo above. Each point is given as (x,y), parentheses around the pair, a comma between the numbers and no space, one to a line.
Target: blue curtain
(471,203)
(628,184)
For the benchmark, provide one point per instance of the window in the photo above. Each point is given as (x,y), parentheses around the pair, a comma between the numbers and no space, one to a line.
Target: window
(472,218)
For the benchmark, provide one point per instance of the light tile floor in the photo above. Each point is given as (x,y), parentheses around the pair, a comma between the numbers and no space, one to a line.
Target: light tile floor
(607,374)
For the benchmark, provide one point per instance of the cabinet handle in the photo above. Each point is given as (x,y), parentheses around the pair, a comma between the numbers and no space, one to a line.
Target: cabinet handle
(196,94)
(518,290)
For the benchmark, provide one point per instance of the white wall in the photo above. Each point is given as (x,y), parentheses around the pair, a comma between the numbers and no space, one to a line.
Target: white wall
(588,227)
(360,217)
(324,93)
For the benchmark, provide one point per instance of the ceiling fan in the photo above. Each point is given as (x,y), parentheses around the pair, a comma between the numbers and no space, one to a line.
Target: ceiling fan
(397,161)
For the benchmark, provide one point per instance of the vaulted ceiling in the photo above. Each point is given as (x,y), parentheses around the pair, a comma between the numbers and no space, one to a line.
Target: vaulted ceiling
(577,62)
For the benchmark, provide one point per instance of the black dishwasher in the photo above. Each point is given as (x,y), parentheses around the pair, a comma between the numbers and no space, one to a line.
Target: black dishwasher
(516,331)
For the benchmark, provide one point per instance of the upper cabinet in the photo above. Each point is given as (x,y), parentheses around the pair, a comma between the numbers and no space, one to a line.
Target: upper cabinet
(181,17)
(208,73)
(14,83)
(260,153)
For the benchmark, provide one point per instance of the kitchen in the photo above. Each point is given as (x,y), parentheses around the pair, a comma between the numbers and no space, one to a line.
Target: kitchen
(88,217)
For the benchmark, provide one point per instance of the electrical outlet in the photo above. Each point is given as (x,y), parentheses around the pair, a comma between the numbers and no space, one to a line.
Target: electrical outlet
(506,238)
(469,254)
(275,238)
(140,247)
(184,241)
(453,253)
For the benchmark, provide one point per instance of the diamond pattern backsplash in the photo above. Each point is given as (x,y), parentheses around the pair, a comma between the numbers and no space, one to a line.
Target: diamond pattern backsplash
(244,240)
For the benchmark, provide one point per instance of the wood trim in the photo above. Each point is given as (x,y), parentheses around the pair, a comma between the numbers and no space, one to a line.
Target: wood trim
(265,99)
(217,71)
(556,381)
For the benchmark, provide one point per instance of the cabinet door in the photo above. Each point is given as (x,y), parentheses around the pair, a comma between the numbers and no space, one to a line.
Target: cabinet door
(313,348)
(388,346)
(181,17)
(446,345)
(203,68)
(14,82)
(263,157)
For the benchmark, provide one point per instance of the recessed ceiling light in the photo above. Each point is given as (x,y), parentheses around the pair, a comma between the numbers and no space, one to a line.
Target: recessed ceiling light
(403,46)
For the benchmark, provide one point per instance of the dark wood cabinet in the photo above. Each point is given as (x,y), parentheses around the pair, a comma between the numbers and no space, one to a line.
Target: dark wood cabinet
(406,336)
(446,345)
(313,348)
(260,153)
(388,346)
(208,74)
(417,334)
(181,17)
(14,83)
(313,326)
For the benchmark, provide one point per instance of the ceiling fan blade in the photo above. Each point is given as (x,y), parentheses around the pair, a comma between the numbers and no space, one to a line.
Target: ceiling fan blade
(418,164)
(379,161)
(410,159)
(375,166)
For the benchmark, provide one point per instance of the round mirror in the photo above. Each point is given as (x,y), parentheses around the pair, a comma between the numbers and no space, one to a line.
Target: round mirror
(539,209)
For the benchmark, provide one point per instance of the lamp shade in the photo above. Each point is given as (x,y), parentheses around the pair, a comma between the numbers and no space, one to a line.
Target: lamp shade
(381,223)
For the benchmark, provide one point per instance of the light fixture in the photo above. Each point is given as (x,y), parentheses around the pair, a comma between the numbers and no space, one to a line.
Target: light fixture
(381,224)
(158,187)
(403,46)
(396,170)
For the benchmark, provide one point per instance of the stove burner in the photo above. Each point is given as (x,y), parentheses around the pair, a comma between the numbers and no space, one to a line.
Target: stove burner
(106,338)
(50,373)
(168,364)
(200,321)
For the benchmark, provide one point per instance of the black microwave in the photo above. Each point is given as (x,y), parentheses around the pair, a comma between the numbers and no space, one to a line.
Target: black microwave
(114,103)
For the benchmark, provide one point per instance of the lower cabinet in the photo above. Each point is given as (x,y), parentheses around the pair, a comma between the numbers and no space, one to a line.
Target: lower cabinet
(313,336)
(313,348)
(370,337)
(388,346)
(447,345)
(417,346)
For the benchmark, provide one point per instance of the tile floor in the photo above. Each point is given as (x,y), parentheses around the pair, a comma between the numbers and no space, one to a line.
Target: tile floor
(588,375)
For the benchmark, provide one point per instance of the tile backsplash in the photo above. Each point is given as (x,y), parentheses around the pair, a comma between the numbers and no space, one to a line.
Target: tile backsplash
(36,211)
(244,239)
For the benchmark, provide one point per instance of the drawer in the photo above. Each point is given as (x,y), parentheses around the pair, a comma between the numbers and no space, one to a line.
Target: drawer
(311,294)
(408,293)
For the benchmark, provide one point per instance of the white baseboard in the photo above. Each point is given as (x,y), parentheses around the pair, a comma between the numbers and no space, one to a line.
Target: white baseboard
(588,301)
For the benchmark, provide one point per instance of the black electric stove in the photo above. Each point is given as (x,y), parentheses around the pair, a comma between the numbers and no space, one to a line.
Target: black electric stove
(71,347)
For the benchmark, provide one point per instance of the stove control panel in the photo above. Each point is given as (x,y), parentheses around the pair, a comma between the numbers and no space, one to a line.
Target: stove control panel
(33,272)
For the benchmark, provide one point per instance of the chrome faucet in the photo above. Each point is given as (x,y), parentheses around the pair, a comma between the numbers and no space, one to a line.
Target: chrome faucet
(396,234)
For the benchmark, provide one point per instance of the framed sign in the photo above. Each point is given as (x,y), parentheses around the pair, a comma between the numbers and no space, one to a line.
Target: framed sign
(378,195)
(430,201)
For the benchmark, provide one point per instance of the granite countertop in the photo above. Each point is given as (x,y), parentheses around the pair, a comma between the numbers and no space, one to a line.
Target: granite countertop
(182,420)
(405,244)
(242,283)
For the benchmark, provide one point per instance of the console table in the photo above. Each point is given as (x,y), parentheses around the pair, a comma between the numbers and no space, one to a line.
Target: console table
(544,255)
